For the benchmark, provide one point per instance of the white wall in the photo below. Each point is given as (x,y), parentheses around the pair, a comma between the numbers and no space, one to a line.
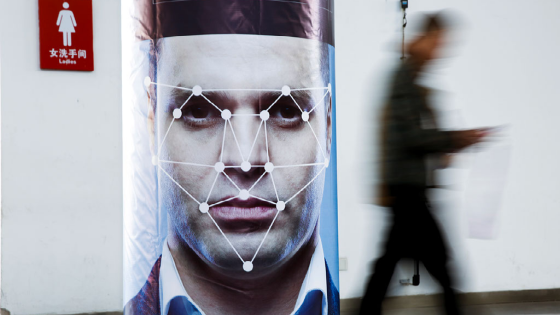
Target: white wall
(506,72)
(61,170)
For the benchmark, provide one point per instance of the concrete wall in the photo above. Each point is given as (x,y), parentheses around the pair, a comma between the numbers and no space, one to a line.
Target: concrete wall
(504,72)
(61,170)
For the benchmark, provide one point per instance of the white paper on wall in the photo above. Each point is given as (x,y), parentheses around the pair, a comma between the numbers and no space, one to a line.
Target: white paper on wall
(485,187)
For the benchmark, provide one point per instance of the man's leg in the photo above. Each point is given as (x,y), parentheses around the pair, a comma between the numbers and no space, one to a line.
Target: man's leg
(439,271)
(397,244)
(377,286)
(382,274)
(435,260)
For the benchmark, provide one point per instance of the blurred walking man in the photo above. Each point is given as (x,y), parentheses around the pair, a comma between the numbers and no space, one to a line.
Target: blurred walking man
(410,136)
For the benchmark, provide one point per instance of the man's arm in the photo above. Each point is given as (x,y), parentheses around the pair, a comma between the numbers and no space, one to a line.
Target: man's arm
(407,126)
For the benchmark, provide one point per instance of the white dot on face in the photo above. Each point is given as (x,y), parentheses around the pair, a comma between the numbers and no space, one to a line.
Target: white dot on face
(219,167)
(226,114)
(154,160)
(177,113)
(245,166)
(280,205)
(197,90)
(330,88)
(286,90)
(327,161)
(265,115)
(305,116)
(269,167)
(203,207)
(244,194)
(248,266)
(147,82)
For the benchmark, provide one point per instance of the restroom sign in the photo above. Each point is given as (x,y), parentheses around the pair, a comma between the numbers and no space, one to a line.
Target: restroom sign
(66,34)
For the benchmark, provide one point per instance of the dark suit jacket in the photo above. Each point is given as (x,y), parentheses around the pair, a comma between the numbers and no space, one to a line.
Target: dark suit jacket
(147,302)
(410,132)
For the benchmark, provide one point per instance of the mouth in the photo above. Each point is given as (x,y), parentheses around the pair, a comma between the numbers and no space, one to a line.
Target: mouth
(243,216)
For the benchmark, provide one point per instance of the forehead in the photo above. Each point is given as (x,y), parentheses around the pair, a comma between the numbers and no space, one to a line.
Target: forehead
(239,62)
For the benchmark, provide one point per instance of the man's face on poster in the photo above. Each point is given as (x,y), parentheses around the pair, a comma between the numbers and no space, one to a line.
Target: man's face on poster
(248,71)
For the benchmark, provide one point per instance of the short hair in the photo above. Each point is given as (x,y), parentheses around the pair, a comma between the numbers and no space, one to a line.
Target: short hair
(439,21)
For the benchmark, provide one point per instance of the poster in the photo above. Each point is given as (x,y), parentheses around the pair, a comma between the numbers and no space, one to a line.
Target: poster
(230,200)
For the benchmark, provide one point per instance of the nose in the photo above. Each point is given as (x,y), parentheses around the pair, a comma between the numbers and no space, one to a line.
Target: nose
(245,147)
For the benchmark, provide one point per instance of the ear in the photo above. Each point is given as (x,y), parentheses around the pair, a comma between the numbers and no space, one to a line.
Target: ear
(329,126)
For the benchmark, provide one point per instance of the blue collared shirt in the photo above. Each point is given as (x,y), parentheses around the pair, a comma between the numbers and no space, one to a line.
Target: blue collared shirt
(312,298)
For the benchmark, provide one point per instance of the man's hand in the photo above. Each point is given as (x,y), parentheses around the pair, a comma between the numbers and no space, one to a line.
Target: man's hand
(446,160)
(466,138)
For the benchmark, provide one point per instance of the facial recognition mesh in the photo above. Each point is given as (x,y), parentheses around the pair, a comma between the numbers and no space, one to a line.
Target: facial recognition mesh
(244,193)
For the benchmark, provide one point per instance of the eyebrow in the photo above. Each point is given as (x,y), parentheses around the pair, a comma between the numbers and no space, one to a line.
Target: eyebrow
(265,98)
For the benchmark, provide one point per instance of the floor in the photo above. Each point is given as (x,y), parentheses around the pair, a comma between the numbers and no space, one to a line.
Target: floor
(542,308)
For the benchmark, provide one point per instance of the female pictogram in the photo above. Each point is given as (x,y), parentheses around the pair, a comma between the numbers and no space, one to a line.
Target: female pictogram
(67,22)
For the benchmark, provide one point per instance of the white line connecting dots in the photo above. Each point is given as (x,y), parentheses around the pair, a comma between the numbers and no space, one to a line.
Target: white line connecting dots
(243,194)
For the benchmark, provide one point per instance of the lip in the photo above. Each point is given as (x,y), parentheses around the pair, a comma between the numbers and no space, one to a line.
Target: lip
(243,216)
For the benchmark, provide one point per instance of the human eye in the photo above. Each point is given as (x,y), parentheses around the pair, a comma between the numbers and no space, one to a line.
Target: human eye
(200,115)
(286,115)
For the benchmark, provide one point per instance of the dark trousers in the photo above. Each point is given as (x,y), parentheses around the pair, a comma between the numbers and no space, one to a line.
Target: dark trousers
(414,234)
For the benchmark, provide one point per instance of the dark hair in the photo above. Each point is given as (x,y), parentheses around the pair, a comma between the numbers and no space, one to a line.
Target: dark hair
(435,22)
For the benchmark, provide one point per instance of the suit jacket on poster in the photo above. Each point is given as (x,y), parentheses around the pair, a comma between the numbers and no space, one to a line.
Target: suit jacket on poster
(147,302)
